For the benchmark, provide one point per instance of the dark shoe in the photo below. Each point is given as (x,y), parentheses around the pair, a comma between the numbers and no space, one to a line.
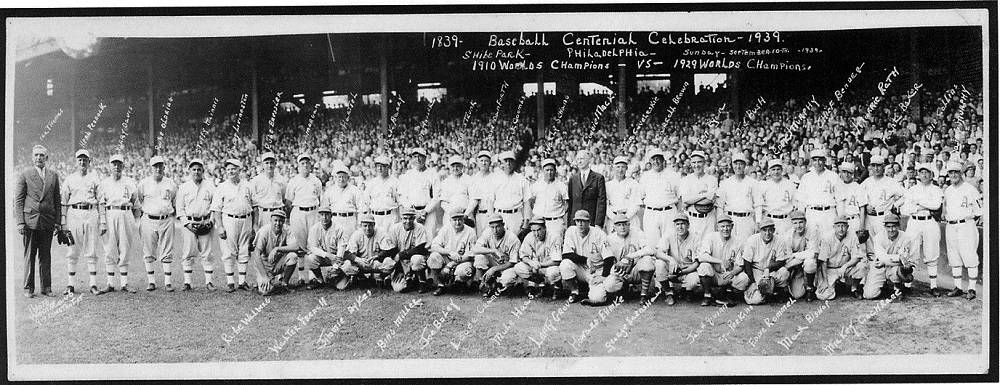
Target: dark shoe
(95,291)
(69,290)
(151,287)
(107,289)
(857,294)
(644,298)
(706,301)
(210,286)
(971,295)
(186,287)
(669,299)
(588,302)
(424,288)
(48,294)
(956,292)
(230,288)
(573,298)
(243,286)
(810,294)
(126,289)
(314,284)
(938,292)
(170,288)
(438,291)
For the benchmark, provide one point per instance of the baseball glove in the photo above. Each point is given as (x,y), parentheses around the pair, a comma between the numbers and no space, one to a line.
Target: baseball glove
(766,286)
(862,236)
(65,237)
(906,271)
(202,228)
(265,288)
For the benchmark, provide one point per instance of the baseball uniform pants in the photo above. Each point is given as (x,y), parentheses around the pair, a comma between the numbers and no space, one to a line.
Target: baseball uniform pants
(513,221)
(273,269)
(663,269)
(386,219)
(781,224)
(718,274)
(557,227)
(926,238)
(570,270)
(237,242)
(348,223)
(157,239)
(702,225)
(523,272)
(482,222)
(878,276)
(820,221)
(962,240)
(121,230)
(875,225)
(300,222)
(826,279)
(432,221)
(84,226)
(743,226)
(854,224)
(658,223)
(364,266)
(197,246)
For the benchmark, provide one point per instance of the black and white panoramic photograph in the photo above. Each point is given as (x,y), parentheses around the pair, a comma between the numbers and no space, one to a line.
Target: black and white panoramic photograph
(476,192)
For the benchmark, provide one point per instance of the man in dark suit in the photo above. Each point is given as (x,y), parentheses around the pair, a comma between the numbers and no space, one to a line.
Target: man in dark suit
(38,213)
(586,191)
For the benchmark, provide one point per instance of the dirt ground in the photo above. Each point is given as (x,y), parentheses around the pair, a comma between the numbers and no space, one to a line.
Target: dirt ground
(197,326)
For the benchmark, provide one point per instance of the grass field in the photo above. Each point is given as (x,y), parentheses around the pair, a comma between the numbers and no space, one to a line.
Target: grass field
(161,327)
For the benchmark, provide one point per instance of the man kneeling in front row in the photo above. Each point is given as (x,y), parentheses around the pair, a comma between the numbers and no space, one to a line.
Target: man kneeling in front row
(275,255)
(892,262)
(327,244)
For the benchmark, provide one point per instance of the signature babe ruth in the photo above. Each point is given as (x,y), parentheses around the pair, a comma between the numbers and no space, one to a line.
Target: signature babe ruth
(585,255)
(918,202)
(658,191)
(963,206)
(541,254)
(156,228)
(892,259)
(481,188)
(275,255)
(327,246)
(777,196)
(623,195)
(193,202)
(451,248)
(304,191)
(549,198)
(718,259)
(364,248)
(81,212)
(494,252)
(762,255)
(697,191)
(737,197)
(118,195)
(406,243)
(841,259)
(232,207)
(677,259)
(382,194)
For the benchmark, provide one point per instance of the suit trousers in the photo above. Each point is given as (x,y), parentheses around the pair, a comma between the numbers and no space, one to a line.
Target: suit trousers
(38,242)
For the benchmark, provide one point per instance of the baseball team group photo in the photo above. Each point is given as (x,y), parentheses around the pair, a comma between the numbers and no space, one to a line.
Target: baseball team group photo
(403,198)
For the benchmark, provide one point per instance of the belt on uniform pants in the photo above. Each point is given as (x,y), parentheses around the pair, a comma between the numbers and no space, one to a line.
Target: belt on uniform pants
(697,214)
(343,214)
(197,219)
(820,208)
(482,211)
(509,211)
(386,212)
(158,217)
(849,217)
(268,209)
(956,222)
(119,207)
(553,219)
(82,206)
(782,216)
(307,208)
(879,213)
(657,208)
(921,218)
(419,207)
(238,216)
(736,214)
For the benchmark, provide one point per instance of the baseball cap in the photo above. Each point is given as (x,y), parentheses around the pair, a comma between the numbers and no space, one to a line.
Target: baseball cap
(82,152)
(847,166)
(341,168)
(581,215)
(840,219)
(698,153)
(234,162)
(325,209)
(925,166)
(766,222)
(154,160)
(455,213)
(621,159)
(496,217)
(267,155)
(278,213)
(549,161)
(367,218)
(927,151)
(797,214)
(775,163)
(817,153)
(740,157)
(485,153)
(620,218)
(537,220)
(954,166)
(39,149)
(506,155)
(456,159)
(723,218)
(891,218)
(196,161)
(408,210)
(418,150)
(303,156)
(656,152)
(681,217)
(116,157)
(877,160)
(382,159)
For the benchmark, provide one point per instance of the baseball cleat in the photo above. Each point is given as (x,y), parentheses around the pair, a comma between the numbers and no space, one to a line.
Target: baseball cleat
(669,299)
(243,286)
(971,295)
(937,292)
(956,292)
(230,288)
(170,288)
(69,290)
(645,298)
(151,287)
(48,294)
(438,291)
(588,302)
(186,287)
(573,298)
(210,286)
(424,288)
(706,301)
(857,294)
(95,291)
(107,290)
(126,289)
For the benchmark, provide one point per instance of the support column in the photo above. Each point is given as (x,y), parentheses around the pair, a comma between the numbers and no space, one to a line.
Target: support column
(915,70)
(253,95)
(384,83)
(622,97)
(71,93)
(540,107)
(149,100)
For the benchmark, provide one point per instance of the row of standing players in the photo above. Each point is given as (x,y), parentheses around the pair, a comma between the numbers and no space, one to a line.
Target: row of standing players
(239,211)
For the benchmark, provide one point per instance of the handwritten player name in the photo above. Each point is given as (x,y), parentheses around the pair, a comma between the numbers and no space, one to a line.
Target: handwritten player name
(159,141)
(770,321)
(883,86)
(600,111)
(48,127)
(677,101)
(325,339)
(93,123)
(427,115)
(350,108)
(839,94)
(208,122)
(468,113)
(554,318)
(520,103)
(629,321)
(715,119)
(166,113)
(236,126)
(562,110)
(467,332)
(431,329)
(499,336)
(803,114)
(964,104)
(645,115)
(945,102)
(735,322)
(395,115)
(811,317)
(248,317)
(855,328)
(709,320)
(47,310)
(905,104)
(291,331)
(602,315)
(752,113)
(124,130)
(383,342)
(496,115)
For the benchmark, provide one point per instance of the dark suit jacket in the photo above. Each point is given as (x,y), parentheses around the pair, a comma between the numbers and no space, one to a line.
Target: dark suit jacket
(593,197)
(37,204)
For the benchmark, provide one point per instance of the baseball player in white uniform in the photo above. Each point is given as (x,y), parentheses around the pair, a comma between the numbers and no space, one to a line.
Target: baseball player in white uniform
(698,190)
(737,197)
(118,195)
(494,252)
(585,255)
(407,242)
(918,202)
(232,207)
(817,194)
(852,201)
(364,252)
(882,193)
(275,255)
(511,195)
(634,254)
(962,210)
(451,247)
(156,228)
(777,196)
(718,259)
(623,195)
(420,188)
(481,188)
(327,247)
(762,255)
(893,262)
(840,259)
(658,191)
(382,195)
(344,199)
(800,260)
(677,259)
(268,192)
(455,189)
(541,254)
(549,199)
(304,191)
(194,200)
(80,211)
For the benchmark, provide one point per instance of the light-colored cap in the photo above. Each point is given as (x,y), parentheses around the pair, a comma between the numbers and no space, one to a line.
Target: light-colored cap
(766,222)
(382,159)
(775,163)
(408,210)
(537,220)
(797,214)
(39,149)
(303,156)
(418,151)
(367,218)
(927,151)
(817,153)
(877,160)
(847,166)
(681,217)
(325,209)
(496,217)
(891,218)
(723,217)
(196,161)
(840,219)
(455,159)
(698,153)
(341,168)
(455,213)
(620,218)
(234,162)
(485,153)
(267,155)
(82,152)
(506,155)
(656,152)
(740,157)
(581,215)
(278,213)
(154,160)
(925,166)
(621,159)
(549,161)
(953,166)
(116,158)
